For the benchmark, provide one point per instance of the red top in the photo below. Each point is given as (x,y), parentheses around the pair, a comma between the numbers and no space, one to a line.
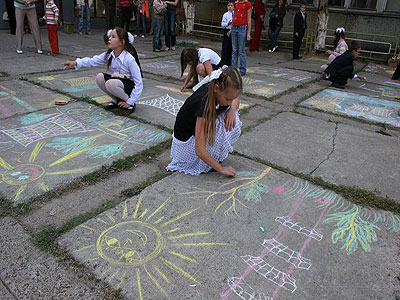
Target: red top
(125,3)
(240,16)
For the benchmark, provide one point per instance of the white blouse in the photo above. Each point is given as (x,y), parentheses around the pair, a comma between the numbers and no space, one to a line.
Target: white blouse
(124,64)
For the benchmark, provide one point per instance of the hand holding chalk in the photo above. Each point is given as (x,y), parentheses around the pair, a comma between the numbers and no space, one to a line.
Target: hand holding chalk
(69,64)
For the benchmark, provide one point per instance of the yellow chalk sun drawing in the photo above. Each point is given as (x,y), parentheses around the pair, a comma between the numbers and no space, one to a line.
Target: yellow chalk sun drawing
(136,246)
(28,173)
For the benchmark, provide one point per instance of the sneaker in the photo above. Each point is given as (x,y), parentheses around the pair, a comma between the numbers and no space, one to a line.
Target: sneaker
(20,51)
(273,49)
(135,35)
(173,48)
(80,33)
(39,51)
(166,49)
(110,106)
(142,35)
(269,50)
(156,50)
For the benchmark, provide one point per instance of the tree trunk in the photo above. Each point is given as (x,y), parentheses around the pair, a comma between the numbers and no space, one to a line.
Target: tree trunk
(322,25)
(189,7)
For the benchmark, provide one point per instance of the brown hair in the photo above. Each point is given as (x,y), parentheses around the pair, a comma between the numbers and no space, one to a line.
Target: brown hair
(123,35)
(229,79)
(189,54)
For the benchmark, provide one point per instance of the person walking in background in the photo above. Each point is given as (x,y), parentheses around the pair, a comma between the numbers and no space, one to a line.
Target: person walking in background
(170,18)
(126,14)
(275,24)
(226,23)
(140,18)
(300,26)
(84,9)
(159,10)
(27,8)
(240,25)
(51,17)
(110,13)
(11,15)
(258,17)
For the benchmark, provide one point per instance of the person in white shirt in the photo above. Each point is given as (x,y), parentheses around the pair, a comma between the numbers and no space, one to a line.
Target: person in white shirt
(202,62)
(226,23)
(123,83)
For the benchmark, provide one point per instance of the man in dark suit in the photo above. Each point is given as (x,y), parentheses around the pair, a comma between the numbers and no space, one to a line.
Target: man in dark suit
(11,15)
(300,26)
(341,68)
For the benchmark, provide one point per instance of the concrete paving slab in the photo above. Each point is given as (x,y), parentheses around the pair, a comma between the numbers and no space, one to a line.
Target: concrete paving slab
(33,274)
(43,151)
(87,198)
(282,73)
(364,159)
(356,105)
(262,234)
(20,97)
(381,79)
(4,293)
(289,140)
(374,90)
(380,69)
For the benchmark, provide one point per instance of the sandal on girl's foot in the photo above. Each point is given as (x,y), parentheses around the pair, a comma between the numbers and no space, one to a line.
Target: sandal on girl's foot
(111,106)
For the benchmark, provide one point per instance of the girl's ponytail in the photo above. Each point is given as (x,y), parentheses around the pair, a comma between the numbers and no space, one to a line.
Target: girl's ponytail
(229,79)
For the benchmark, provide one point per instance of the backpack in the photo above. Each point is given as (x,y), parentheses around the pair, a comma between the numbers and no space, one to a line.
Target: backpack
(159,7)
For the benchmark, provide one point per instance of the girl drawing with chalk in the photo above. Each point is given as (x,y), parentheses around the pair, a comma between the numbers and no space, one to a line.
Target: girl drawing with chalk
(202,62)
(207,125)
(123,83)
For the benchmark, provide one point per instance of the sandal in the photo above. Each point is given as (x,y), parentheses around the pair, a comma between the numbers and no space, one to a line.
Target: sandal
(110,106)
(130,109)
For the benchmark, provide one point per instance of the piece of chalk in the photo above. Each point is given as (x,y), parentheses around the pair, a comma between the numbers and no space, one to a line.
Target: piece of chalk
(262,229)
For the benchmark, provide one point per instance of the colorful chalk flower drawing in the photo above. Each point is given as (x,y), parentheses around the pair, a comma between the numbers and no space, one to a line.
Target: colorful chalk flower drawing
(133,246)
(246,186)
(28,173)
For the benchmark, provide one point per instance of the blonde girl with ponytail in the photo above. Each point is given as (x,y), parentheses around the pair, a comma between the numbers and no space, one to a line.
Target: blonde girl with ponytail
(207,126)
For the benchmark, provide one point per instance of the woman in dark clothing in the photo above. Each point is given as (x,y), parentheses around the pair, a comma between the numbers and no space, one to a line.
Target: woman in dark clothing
(396,74)
(276,23)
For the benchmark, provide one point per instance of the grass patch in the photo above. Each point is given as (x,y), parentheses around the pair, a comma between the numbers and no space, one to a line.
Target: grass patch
(353,194)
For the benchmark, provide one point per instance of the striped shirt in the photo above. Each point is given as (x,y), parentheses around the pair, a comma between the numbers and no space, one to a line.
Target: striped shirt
(51,13)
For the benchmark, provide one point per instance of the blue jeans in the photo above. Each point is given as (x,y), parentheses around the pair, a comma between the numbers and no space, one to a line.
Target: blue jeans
(273,36)
(140,21)
(238,35)
(170,37)
(84,9)
(158,29)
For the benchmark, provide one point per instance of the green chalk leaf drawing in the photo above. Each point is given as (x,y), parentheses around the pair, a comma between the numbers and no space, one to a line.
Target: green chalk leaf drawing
(33,118)
(352,230)
(105,151)
(253,191)
(71,144)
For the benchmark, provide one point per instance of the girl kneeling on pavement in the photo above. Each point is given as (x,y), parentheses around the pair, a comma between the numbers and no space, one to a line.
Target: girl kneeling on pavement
(207,125)
(124,84)
(202,62)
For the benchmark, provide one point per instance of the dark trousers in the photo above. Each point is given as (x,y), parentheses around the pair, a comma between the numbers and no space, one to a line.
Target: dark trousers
(126,16)
(297,41)
(110,13)
(396,74)
(255,43)
(340,76)
(226,53)
(169,26)
(11,15)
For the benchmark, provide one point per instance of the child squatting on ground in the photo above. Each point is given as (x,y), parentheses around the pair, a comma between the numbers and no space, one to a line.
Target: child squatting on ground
(51,18)
(207,125)
(202,62)
(124,85)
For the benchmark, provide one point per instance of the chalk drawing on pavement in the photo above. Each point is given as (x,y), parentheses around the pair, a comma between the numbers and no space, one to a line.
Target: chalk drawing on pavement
(244,291)
(287,222)
(165,102)
(356,105)
(134,247)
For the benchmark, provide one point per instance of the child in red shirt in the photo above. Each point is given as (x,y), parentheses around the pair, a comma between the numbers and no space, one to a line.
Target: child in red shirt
(240,25)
